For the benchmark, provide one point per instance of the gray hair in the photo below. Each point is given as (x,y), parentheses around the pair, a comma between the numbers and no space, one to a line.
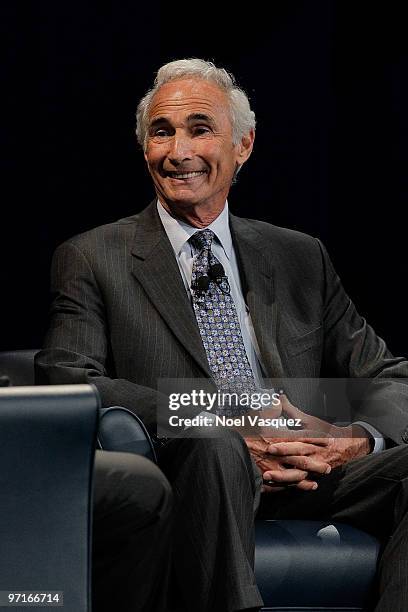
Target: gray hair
(242,117)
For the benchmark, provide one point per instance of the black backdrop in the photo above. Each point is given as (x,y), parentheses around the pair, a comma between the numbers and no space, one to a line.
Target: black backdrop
(327,80)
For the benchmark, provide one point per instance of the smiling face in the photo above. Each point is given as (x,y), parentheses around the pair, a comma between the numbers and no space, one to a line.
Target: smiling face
(189,152)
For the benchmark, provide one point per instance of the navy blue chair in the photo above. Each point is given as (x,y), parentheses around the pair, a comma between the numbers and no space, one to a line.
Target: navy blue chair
(47,444)
(300,565)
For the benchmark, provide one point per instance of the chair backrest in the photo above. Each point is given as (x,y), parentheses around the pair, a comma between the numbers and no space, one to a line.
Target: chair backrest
(18,366)
(47,441)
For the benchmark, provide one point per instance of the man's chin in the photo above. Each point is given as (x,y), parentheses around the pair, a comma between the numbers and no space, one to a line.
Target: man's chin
(180,201)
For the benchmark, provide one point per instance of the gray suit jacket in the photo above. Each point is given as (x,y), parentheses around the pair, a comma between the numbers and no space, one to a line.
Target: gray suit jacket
(121,317)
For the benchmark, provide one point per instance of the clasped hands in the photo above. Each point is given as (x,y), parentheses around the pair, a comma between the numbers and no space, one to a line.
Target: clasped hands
(295,457)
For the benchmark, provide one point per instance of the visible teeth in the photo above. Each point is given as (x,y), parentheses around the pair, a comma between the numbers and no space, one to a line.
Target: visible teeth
(186,175)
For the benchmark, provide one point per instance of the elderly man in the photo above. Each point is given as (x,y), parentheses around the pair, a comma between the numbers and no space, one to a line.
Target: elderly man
(186,290)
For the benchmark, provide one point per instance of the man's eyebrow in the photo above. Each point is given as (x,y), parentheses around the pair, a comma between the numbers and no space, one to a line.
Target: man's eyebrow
(158,121)
(193,117)
(200,117)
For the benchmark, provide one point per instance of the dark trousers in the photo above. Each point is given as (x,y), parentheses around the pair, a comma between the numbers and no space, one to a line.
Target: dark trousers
(131,534)
(216,491)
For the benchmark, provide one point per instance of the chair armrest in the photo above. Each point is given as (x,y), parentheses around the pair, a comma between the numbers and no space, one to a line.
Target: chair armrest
(122,431)
(47,443)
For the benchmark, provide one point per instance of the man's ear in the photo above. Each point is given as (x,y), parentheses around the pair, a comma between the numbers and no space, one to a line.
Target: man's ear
(245,147)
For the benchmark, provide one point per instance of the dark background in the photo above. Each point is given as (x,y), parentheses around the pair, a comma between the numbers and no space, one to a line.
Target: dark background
(327,80)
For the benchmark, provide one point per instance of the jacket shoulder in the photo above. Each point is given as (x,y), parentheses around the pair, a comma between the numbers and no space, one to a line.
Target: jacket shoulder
(291,251)
(110,236)
(277,235)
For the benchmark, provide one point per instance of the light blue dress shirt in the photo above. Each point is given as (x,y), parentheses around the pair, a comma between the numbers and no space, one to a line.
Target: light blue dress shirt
(179,232)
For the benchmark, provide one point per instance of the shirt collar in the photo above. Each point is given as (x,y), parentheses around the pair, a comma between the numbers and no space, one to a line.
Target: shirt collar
(178,232)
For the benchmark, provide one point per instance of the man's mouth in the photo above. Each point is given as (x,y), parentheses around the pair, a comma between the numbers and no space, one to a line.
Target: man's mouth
(185,175)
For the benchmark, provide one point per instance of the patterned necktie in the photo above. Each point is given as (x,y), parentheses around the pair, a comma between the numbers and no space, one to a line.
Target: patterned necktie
(217,320)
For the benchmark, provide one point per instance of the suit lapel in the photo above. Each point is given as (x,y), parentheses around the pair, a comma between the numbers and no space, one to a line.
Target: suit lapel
(156,269)
(257,276)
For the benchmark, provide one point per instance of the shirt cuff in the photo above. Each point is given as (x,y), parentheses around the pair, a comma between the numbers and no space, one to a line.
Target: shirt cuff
(379,442)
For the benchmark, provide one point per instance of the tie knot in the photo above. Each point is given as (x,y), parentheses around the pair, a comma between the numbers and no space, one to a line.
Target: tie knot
(202,239)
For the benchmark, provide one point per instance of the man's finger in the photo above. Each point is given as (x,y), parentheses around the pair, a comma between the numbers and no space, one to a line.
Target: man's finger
(307,421)
(292,448)
(296,437)
(303,485)
(289,475)
(307,485)
(290,409)
(310,464)
(318,441)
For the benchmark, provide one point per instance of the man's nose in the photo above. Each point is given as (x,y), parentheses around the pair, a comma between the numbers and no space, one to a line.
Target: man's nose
(181,149)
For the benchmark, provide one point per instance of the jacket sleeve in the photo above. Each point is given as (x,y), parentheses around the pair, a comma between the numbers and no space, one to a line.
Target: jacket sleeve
(76,347)
(377,383)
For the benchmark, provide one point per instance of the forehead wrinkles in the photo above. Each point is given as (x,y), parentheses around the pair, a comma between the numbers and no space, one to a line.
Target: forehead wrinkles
(179,98)
(191,103)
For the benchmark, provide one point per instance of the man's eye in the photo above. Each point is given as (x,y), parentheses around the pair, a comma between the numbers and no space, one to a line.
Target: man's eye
(160,132)
(201,129)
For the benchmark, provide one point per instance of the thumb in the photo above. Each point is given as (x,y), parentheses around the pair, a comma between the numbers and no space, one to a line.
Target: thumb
(293,412)
(289,408)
